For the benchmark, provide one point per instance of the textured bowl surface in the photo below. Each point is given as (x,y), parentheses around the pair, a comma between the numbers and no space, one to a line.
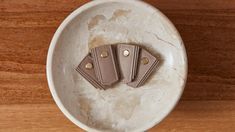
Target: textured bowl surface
(121,108)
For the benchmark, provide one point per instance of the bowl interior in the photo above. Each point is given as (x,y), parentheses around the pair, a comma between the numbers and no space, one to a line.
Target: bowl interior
(120,108)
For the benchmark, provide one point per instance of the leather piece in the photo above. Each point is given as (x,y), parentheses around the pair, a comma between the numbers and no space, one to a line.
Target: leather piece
(144,70)
(89,74)
(106,67)
(105,63)
(127,64)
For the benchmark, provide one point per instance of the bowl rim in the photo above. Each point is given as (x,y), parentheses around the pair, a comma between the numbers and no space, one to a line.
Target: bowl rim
(53,43)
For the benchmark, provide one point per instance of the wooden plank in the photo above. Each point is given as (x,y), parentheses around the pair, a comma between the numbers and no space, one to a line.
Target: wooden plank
(34,118)
(18,88)
(24,46)
(40,5)
(31,19)
(200,116)
(211,63)
(189,116)
(22,65)
(192,5)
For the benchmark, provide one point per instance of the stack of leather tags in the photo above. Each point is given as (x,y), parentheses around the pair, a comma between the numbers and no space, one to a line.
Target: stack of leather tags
(108,64)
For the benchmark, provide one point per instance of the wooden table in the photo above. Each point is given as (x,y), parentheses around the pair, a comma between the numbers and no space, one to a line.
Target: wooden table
(208,30)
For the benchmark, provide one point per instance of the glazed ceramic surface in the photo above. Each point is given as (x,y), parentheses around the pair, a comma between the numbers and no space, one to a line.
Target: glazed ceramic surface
(120,108)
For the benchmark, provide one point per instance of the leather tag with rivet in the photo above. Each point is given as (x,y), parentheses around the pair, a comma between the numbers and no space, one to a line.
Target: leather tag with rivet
(126,53)
(144,60)
(105,64)
(146,65)
(104,54)
(127,56)
(89,66)
(86,69)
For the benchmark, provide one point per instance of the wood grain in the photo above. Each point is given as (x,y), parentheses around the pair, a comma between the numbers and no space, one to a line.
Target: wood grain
(189,116)
(200,116)
(207,28)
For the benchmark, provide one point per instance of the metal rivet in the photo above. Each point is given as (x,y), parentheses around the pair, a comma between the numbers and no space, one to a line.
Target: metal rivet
(89,66)
(104,54)
(144,61)
(126,53)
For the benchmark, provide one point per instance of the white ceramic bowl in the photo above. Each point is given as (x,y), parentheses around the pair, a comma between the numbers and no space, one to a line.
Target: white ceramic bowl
(121,108)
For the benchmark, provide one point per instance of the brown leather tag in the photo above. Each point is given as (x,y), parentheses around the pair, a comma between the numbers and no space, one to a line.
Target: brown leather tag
(86,69)
(105,64)
(127,56)
(147,63)
(102,66)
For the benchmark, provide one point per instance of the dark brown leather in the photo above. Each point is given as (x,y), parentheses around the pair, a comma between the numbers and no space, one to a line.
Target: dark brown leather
(144,70)
(105,67)
(89,74)
(127,62)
